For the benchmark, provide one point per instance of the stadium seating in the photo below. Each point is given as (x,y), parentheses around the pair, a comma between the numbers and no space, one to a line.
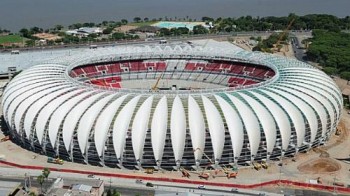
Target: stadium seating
(238,74)
(113,81)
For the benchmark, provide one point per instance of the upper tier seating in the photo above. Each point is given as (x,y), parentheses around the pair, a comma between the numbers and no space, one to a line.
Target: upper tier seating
(240,74)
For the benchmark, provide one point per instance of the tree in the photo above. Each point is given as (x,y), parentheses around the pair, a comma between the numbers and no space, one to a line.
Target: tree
(30,42)
(330,70)
(137,19)
(46,172)
(104,23)
(164,32)
(35,30)
(75,26)
(32,194)
(41,180)
(345,75)
(25,33)
(59,27)
(199,29)
(88,24)
(107,30)
(146,19)
(118,36)
(124,21)
(207,19)
(183,30)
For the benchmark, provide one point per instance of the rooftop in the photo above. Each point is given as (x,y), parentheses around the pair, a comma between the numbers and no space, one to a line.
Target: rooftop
(94,183)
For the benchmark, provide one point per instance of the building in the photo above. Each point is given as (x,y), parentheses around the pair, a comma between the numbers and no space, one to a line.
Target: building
(9,188)
(172,105)
(82,187)
(85,31)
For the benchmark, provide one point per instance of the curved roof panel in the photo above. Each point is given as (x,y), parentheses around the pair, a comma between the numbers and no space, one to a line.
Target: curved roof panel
(291,109)
(159,128)
(178,128)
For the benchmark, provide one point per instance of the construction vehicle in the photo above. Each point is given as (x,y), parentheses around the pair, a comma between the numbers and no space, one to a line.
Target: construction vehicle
(264,164)
(55,160)
(256,165)
(185,173)
(149,170)
(4,139)
(285,31)
(204,175)
(229,174)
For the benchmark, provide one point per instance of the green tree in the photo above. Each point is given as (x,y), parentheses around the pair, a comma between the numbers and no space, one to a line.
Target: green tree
(124,21)
(137,19)
(46,172)
(88,24)
(345,75)
(59,27)
(199,29)
(118,36)
(30,42)
(109,192)
(183,30)
(32,194)
(107,30)
(330,70)
(207,19)
(75,26)
(164,32)
(41,180)
(104,23)
(35,30)
(25,33)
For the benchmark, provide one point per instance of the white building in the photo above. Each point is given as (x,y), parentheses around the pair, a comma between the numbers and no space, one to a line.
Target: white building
(232,106)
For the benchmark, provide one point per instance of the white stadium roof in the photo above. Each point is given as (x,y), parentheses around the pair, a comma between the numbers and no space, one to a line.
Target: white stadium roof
(295,109)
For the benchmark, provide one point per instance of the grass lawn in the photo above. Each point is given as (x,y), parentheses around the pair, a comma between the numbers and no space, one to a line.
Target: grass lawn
(140,24)
(10,39)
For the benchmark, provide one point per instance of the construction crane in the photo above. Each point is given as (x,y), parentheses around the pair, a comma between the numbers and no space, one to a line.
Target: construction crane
(285,31)
(206,156)
(155,86)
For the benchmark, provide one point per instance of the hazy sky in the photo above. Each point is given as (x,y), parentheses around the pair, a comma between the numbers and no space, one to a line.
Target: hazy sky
(15,14)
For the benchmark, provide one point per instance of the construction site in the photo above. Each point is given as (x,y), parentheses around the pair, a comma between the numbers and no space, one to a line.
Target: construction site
(323,168)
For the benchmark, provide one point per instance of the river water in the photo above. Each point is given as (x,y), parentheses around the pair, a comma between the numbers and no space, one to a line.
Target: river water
(15,14)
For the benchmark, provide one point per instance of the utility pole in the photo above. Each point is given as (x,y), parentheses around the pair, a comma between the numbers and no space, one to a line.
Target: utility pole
(110,183)
(334,188)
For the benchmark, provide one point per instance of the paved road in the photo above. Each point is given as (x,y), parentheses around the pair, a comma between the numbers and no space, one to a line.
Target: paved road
(125,186)
(297,48)
(33,181)
(156,40)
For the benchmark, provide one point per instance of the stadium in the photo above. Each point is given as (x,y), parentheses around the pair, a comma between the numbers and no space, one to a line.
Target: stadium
(171,107)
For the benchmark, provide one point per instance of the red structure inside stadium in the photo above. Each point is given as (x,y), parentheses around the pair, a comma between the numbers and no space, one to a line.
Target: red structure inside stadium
(237,74)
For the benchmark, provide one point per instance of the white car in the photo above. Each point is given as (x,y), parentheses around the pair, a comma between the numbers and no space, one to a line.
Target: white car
(201,186)
(139,181)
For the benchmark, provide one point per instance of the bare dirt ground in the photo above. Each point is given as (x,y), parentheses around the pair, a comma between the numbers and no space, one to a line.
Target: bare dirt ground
(319,165)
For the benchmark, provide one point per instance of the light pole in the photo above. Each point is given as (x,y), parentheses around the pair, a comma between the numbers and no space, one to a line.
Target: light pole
(334,188)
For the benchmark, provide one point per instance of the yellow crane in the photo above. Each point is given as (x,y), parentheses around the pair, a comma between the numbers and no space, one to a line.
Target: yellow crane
(155,86)
(285,31)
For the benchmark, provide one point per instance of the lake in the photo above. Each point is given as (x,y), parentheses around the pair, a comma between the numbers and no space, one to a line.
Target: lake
(15,14)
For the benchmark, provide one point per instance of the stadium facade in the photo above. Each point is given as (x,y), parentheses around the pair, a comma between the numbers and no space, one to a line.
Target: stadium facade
(213,108)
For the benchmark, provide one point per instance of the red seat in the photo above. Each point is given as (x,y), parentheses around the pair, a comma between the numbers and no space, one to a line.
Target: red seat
(161,66)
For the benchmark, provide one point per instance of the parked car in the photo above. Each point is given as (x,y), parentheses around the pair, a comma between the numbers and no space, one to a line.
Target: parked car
(138,181)
(201,186)
(149,184)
